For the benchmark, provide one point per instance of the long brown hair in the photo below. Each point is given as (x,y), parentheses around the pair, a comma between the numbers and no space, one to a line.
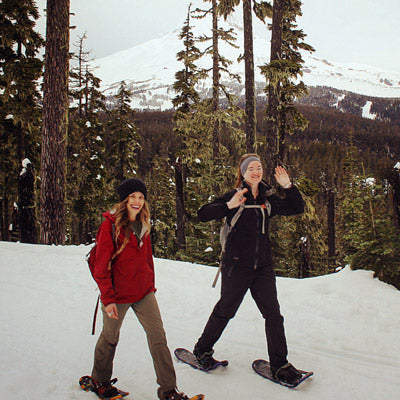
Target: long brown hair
(122,222)
(239,177)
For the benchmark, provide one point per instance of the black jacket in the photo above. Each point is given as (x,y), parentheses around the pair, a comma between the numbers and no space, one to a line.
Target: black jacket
(248,243)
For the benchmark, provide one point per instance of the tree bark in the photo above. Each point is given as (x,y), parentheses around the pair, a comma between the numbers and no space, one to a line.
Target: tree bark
(55,123)
(250,107)
(180,205)
(331,230)
(215,93)
(273,126)
(395,181)
(26,205)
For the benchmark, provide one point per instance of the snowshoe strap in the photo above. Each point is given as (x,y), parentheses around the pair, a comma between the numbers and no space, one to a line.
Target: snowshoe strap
(287,365)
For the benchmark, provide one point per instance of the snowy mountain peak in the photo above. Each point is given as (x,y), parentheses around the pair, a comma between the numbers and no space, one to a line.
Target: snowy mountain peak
(149,69)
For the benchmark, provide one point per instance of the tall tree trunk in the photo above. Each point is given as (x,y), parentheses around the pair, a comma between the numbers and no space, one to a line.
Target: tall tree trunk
(55,123)
(304,264)
(215,102)
(395,181)
(5,233)
(180,205)
(250,107)
(215,93)
(331,230)
(26,204)
(273,126)
(2,234)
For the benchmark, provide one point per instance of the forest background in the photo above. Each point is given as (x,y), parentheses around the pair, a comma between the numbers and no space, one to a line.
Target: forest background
(345,166)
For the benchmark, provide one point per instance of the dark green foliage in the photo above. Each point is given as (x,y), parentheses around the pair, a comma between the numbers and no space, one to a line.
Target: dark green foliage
(121,138)
(187,78)
(161,188)
(283,74)
(372,239)
(85,151)
(20,111)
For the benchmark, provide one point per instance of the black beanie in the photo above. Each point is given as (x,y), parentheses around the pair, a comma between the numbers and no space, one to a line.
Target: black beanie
(129,186)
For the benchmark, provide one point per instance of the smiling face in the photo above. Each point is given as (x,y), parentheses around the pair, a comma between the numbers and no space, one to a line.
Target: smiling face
(134,204)
(254,173)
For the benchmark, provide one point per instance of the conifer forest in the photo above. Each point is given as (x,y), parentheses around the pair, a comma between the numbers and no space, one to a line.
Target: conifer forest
(65,146)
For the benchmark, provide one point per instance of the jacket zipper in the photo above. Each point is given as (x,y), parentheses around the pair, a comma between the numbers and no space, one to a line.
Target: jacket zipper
(256,255)
(257,238)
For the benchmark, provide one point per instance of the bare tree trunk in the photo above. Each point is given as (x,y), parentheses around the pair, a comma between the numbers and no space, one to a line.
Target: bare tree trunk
(26,204)
(273,126)
(395,181)
(215,93)
(304,264)
(55,123)
(180,205)
(331,230)
(5,233)
(250,107)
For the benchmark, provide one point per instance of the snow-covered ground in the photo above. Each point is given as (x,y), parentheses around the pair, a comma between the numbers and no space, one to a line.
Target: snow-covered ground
(345,327)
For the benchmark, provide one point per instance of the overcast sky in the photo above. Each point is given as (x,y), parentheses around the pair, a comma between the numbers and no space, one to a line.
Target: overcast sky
(350,31)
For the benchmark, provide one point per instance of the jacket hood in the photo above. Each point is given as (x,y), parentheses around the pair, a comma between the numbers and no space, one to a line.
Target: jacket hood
(111,217)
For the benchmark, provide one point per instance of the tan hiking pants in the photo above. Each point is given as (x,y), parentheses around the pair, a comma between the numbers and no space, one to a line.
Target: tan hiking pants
(148,314)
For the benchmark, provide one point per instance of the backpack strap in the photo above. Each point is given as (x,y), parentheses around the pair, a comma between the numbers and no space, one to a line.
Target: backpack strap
(226,230)
(98,297)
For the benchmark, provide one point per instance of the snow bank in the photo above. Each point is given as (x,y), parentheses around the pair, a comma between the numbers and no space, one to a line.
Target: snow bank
(345,327)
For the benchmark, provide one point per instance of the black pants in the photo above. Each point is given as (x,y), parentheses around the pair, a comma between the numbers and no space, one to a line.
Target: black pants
(262,285)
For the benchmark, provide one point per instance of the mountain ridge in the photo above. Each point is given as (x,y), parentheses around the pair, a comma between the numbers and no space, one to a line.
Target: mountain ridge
(149,70)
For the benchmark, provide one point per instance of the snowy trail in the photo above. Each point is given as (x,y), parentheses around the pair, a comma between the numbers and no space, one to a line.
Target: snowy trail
(345,327)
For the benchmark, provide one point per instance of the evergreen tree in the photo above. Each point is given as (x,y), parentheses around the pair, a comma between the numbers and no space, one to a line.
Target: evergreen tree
(298,242)
(20,68)
(262,10)
(161,184)
(55,123)
(373,237)
(187,97)
(121,140)
(281,74)
(220,66)
(205,174)
(347,196)
(85,151)
(187,78)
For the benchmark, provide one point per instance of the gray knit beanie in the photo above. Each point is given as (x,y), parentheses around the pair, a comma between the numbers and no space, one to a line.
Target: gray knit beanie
(245,163)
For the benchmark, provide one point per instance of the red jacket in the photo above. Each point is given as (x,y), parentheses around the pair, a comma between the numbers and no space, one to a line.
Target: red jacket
(132,273)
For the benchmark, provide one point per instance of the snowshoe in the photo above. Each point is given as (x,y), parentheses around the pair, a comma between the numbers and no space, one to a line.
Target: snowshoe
(286,376)
(104,390)
(175,395)
(207,363)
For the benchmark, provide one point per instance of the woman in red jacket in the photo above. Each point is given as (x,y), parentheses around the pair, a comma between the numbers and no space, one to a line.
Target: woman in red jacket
(124,272)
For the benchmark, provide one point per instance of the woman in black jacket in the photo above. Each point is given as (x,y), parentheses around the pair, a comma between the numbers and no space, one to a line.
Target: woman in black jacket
(247,260)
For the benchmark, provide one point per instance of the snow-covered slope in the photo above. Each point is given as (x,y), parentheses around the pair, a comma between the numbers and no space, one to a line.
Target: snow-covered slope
(149,69)
(345,327)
